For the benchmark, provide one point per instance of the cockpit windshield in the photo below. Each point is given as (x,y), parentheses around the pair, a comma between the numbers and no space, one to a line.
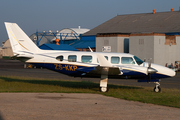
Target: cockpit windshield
(138,61)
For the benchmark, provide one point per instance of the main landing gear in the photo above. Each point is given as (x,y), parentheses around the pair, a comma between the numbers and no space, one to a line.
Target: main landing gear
(103,89)
(104,80)
(157,87)
(103,83)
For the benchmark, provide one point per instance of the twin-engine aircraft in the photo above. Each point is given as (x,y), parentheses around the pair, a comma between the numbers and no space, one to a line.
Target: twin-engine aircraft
(86,64)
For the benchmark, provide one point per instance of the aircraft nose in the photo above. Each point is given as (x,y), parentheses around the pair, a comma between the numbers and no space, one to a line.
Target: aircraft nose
(169,72)
(164,70)
(172,73)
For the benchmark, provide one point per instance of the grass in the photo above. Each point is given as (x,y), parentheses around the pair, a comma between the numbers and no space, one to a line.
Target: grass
(168,97)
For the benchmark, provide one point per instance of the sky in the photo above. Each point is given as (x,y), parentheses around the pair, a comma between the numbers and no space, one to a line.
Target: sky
(45,15)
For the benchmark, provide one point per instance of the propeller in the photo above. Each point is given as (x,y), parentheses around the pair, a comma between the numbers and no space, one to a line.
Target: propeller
(144,62)
(150,70)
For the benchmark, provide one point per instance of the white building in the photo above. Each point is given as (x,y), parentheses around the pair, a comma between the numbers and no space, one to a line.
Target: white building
(112,43)
(144,40)
(6,49)
(160,47)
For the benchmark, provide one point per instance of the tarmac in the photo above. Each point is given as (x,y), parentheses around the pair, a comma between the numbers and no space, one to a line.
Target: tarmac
(62,106)
(55,106)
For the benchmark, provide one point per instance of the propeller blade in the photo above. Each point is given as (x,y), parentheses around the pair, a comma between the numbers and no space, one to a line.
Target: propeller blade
(149,63)
(144,59)
(149,77)
(149,68)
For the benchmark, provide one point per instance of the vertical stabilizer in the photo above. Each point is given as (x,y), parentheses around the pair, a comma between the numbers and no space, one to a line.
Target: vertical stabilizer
(20,42)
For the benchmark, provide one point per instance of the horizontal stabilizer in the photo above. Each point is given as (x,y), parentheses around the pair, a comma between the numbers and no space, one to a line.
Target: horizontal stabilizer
(25,56)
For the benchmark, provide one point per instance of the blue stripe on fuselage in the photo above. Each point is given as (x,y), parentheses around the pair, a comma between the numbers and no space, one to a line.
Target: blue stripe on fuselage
(74,70)
(67,69)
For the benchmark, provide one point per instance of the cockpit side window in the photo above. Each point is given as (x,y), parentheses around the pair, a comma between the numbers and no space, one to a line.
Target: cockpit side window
(60,58)
(138,61)
(127,60)
(115,60)
(86,59)
(72,58)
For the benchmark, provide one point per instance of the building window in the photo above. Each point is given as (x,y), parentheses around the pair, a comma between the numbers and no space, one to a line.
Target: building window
(141,41)
(86,59)
(115,60)
(170,40)
(72,58)
(127,60)
(60,58)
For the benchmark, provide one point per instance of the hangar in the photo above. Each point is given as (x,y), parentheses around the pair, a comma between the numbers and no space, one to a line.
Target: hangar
(6,51)
(68,39)
(147,35)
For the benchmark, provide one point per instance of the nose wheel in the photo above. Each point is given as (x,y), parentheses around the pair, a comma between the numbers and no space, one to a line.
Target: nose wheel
(157,87)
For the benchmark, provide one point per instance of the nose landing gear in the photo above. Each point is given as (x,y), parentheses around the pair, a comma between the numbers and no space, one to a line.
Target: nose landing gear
(157,87)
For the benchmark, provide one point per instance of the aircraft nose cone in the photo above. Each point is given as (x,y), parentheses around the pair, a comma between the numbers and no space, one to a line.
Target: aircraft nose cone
(164,70)
(172,72)
(152,70)
(169,72)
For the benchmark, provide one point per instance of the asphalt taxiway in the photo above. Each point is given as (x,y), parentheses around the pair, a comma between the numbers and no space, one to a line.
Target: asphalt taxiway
(63,106)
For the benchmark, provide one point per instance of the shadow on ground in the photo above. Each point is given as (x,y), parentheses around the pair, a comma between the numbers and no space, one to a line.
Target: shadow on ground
(69,84)
(1,117)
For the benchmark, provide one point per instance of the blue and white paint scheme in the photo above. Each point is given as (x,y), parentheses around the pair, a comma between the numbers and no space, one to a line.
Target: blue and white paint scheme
(86,64)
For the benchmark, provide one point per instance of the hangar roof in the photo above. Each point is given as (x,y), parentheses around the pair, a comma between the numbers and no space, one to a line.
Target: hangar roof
(57,47)
(84,44)
(71,33)
(160,22)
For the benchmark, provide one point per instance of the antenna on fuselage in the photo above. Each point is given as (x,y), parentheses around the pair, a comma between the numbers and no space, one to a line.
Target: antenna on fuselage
(90,49)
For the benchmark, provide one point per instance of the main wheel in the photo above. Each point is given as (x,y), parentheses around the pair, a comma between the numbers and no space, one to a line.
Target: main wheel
(103,89)
(157,89)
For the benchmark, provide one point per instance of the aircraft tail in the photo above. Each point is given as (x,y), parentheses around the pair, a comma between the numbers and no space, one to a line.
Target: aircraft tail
(21,44)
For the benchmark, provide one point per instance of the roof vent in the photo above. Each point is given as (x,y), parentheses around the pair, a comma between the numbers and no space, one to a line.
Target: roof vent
(172,9)
(154,11)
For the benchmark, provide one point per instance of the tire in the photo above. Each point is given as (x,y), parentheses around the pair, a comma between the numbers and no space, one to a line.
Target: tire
(103,89)
(157,89)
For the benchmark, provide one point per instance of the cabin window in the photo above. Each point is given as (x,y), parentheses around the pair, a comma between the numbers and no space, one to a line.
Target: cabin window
(60,58)
(105,57)
(115,60)
(72,58)
(86,59)
(127,60)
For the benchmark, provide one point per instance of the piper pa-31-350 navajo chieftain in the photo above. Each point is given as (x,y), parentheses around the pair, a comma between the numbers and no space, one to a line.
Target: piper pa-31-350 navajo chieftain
(86,64)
